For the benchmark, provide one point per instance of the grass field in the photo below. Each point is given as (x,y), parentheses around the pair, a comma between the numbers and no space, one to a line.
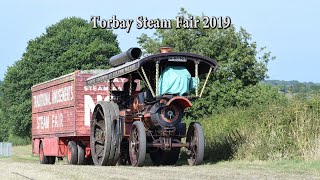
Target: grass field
(24,166)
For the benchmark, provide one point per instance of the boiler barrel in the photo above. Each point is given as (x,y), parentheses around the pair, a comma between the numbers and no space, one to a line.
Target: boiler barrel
(131,54)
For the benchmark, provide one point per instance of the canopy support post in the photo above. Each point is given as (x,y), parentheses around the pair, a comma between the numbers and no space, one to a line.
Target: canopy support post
(130,85)
(205,82)
(157,78)
(196,63)
(147,81)
(110,81)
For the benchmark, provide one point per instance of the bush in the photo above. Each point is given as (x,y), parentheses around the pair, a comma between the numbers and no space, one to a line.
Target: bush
(282,129)
(228,96)
(19,141)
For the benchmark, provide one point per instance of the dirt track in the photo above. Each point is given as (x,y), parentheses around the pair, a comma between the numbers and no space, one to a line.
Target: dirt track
(10,169)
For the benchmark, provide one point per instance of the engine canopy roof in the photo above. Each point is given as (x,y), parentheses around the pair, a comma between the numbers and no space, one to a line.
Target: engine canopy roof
(185,59)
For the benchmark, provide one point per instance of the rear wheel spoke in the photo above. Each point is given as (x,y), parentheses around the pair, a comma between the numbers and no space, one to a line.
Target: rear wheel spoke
(99,152)
(99,141)
(100,125)
(100,112)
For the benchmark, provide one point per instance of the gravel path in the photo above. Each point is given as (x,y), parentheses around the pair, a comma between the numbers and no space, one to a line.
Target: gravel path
(12,169)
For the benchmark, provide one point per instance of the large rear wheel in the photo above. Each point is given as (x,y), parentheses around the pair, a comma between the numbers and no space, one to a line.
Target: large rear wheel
(137,144)
(105,134)
(195,138)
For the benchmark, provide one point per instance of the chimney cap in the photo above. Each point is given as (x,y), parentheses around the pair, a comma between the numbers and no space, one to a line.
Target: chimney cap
(166,49)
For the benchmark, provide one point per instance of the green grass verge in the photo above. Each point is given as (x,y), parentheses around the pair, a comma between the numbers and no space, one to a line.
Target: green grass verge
(21,154)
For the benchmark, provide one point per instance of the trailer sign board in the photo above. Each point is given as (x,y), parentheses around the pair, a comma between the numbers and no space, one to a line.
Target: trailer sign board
(65,105)
(62,108)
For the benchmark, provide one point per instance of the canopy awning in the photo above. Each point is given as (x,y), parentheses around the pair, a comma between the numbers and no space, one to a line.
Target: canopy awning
(182,59)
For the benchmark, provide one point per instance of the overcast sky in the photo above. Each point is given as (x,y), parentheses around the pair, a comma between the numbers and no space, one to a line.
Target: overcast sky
(289,29)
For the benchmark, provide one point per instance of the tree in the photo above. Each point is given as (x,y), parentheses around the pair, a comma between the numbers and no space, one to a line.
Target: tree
(66,46)
(241,64)
(3,128)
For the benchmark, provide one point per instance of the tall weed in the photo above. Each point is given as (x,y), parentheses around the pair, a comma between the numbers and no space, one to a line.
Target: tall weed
(282,129)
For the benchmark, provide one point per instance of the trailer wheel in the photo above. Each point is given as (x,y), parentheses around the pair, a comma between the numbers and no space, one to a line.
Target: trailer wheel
(161,157)
(137,144)
(81,154)
(43,159)
(195,138)
(52,159)
(105,137)
(72,153)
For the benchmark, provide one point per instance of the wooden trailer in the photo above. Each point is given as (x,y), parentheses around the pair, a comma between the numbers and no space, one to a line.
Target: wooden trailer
(61,113)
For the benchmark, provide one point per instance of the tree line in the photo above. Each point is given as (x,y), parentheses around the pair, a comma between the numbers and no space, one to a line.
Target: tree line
(72,44)
(292,87)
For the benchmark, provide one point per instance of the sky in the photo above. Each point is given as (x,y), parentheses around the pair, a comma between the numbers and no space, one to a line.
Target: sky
(289,29)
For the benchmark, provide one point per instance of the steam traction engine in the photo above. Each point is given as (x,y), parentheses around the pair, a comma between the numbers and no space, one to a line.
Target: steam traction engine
(149,119)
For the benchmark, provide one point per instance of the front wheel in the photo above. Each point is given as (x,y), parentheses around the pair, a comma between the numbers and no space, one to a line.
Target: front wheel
(195,139)
(137,144)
